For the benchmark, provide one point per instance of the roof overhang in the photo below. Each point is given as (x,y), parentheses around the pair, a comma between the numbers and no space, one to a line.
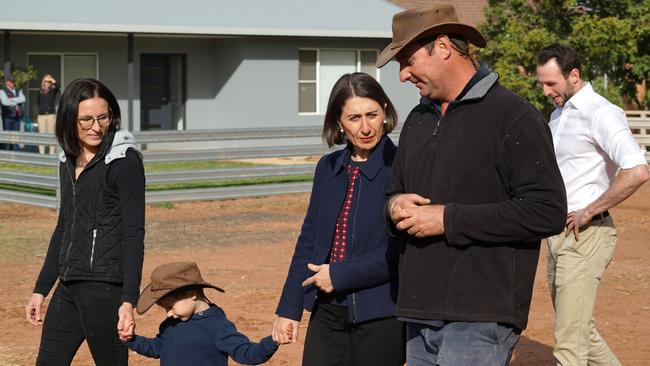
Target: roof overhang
(190,30)
(286,18)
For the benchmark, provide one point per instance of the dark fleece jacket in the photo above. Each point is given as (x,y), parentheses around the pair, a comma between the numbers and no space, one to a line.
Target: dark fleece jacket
(490,160)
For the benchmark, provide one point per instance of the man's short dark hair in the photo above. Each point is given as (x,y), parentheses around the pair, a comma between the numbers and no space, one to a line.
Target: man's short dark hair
(458,42)
(66,117)
(566,57)
(360,85)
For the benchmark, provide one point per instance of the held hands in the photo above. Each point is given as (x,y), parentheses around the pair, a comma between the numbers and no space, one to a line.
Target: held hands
(416,215)
(321,279)
(126,322)
(33,309)
(285,330)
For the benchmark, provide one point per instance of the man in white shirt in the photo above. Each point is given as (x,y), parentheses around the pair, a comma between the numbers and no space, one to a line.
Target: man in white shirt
(592,142)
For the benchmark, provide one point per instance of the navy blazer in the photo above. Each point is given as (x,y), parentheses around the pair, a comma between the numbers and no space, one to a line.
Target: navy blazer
(368,274)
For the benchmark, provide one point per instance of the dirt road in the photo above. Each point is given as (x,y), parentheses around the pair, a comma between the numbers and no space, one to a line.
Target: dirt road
(246,245)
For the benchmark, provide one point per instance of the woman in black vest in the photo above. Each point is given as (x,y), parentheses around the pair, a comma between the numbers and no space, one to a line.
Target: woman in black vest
(97,248)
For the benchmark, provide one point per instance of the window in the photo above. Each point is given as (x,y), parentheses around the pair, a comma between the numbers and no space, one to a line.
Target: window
(64,67)
(318,70)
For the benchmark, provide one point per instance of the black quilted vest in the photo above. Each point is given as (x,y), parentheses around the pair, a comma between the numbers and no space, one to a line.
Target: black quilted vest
(91,248)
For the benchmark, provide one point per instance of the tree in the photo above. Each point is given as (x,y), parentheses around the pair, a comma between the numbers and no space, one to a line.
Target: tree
(22,75)
(612,38)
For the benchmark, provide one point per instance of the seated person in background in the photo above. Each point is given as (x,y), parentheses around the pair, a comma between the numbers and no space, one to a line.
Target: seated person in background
(196,331)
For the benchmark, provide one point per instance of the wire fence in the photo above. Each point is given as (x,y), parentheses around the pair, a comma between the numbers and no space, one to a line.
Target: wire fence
(203,145)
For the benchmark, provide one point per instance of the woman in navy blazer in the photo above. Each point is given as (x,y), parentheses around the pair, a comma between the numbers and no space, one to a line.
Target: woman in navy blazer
(344,266)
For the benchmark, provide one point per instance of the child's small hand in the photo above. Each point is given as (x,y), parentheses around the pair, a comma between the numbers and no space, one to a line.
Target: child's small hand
(289,331)
(126,322)
(285,330)
(128,334)
(289,334)
(127,337)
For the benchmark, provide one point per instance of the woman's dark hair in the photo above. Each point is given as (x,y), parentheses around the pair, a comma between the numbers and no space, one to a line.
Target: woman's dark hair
(360,85)
(66,117)
(566,57)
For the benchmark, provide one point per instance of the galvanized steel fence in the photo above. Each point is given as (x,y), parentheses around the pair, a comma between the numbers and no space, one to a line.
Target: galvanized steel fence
(226,144)
(250,147)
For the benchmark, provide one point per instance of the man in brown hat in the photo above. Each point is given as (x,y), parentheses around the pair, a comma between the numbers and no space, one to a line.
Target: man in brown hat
(475,188)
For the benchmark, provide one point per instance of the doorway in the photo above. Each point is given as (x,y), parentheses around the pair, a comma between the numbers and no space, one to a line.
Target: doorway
(162,92)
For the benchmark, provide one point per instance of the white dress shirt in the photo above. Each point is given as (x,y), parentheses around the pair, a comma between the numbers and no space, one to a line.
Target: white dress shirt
(592,141)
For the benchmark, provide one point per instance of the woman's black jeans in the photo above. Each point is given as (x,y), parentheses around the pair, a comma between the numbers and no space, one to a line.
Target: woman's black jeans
(78,311)
(331,340)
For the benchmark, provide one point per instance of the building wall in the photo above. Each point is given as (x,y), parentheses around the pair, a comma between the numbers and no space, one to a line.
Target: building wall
(470,11)
(111,51)
(201,71)
(262,89)
(231,82)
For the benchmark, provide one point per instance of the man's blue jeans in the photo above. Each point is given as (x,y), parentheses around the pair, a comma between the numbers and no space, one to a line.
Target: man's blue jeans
(460,344)
(10,124)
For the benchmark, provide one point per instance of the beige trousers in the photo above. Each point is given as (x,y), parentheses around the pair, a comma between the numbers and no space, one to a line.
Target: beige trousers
(574,272)
(46,123)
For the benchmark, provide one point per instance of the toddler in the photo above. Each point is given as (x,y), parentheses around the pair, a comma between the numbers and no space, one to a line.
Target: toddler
(196,332)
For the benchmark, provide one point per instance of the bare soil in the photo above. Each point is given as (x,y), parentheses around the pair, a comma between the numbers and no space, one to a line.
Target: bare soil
(245,246)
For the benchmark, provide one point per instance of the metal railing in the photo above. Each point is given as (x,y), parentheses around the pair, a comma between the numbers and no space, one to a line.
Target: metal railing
(252,143)
(272,146)
(639,122)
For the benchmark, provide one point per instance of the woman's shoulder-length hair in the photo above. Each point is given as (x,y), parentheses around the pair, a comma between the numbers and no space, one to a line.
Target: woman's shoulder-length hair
(66,118)
(360,85)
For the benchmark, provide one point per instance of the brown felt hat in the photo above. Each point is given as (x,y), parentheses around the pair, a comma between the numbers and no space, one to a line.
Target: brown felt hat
(410,25)
(170,277)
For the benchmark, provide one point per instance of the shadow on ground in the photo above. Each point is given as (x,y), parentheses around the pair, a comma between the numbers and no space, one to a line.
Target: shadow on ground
(529,352)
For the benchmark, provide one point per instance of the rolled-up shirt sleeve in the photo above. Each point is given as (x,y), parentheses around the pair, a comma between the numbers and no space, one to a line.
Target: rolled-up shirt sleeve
(611,132)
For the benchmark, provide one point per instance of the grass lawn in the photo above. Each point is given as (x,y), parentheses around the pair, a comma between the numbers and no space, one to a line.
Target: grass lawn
(159,167)
(31,169)
(150,167)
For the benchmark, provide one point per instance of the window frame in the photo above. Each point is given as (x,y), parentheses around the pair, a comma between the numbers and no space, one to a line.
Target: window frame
(317,80)
(27,90)
(62,57)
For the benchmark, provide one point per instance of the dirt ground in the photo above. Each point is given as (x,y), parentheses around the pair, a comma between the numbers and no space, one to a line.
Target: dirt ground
(245,246)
